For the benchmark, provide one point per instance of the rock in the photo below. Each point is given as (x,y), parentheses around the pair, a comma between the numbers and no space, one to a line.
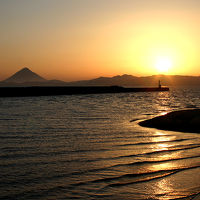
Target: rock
(183,121)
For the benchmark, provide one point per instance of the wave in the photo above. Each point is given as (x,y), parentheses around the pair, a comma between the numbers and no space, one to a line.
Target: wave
(7,119)
(134,178)
(148,143)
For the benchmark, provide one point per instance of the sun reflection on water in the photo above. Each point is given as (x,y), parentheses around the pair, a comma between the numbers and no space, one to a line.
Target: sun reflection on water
(162,145)
(163,187)
(162,137)
(163,102)
(163,113)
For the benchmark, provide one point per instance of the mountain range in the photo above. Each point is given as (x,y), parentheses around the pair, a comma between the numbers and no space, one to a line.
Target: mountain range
(25,77)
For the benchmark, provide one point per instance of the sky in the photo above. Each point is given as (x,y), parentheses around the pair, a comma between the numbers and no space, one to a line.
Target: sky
(83,39)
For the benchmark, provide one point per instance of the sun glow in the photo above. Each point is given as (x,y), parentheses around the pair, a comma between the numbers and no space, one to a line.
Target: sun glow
(163,64)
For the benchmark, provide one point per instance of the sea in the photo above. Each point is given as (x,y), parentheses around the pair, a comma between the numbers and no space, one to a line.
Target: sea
(91,147)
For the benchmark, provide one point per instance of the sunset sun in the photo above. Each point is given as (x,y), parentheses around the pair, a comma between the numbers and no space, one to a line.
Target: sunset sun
(163,64)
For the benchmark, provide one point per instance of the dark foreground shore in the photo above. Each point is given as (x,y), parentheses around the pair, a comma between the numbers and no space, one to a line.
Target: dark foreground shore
(183,121)
(48,91)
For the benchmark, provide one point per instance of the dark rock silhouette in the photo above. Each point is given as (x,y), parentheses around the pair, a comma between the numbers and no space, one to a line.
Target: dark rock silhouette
(183,121)
(25,75)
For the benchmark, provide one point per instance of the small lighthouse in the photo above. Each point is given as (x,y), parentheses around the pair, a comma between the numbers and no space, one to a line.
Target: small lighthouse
(159,84)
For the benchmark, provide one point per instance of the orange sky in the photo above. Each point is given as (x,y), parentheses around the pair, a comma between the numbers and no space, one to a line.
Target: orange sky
(83,39)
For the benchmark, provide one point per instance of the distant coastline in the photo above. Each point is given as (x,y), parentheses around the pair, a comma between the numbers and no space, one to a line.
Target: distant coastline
(26,78)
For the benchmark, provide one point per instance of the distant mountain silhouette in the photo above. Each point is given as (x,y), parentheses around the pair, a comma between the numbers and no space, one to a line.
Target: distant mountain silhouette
(133,81)
(24,75)
(129,80)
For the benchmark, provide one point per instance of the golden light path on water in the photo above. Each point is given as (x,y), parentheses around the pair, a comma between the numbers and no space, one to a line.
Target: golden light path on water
(171,160)
(176,178)
(165,163)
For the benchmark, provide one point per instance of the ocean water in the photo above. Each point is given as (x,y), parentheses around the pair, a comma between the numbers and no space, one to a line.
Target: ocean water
(91,147)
